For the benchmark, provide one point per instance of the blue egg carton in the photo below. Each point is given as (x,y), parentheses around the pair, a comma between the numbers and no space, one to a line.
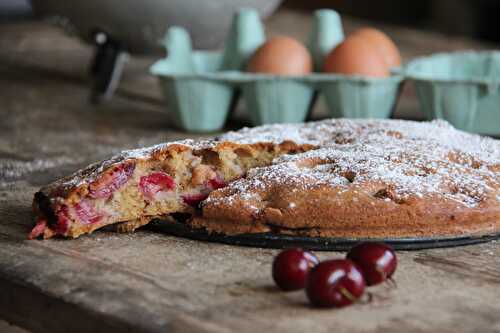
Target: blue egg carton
(201,86)
(460,87)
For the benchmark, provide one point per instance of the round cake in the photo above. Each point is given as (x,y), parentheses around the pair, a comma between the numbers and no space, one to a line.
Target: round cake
(332,178)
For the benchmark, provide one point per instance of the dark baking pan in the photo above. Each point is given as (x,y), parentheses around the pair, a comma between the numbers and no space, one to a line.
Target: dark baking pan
(280,241)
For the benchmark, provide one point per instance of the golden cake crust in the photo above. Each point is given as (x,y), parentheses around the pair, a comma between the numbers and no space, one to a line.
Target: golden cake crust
(374,179)
(333,178)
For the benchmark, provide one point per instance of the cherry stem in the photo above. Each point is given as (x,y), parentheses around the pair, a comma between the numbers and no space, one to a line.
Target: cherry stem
(368,299)
(392,283)
(375,296)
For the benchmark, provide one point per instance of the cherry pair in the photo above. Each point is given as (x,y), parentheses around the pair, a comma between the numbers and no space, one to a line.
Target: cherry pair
(338,282)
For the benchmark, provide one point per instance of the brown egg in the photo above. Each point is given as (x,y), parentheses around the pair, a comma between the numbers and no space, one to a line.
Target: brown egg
(383,43)
(282,56)
(356,56)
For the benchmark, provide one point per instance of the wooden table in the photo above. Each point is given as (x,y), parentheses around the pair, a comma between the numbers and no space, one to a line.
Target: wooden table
(149,281)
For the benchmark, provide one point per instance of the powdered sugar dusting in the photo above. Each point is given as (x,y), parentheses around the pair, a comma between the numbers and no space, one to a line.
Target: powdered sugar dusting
(406,159)
(92,171)
(396,160)
(334,131)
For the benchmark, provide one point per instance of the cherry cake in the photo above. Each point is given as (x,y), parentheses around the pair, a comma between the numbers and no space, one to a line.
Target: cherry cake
(332,178)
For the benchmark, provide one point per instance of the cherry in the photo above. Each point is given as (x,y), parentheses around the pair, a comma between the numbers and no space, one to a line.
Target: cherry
(112,181)
(377,261)
(216,183)
(63,221)
(86,212)
(38,229)
(194,200)
(154,183)
(290,268)
(334,283)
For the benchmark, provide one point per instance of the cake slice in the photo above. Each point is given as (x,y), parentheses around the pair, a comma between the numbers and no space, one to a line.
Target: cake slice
(138,185)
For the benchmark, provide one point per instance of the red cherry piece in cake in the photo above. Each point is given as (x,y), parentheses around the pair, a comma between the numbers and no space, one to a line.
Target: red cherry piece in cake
(377,261)
(112,181)
(334,283)
(63,221)
(38,229)
(154,183)
(290,268)
(194,200)
(86,212)
(216,183)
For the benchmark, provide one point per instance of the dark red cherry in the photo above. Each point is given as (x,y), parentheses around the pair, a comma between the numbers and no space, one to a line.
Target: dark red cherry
(334,283)
(154,183)
(63,221)
(86,212)
(111,181)
(377,261)
(290,268)
(216,183)
(195,199)
(38,229)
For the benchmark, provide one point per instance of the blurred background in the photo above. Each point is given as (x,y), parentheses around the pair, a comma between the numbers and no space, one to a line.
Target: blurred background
(103,48)
(471,18)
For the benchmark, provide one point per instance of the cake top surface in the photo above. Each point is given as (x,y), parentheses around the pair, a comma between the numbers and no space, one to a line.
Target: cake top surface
(413,158)
(334,131)
(397,159)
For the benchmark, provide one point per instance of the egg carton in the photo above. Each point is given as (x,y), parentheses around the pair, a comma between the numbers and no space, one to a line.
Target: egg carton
(200,87)
(460,87)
